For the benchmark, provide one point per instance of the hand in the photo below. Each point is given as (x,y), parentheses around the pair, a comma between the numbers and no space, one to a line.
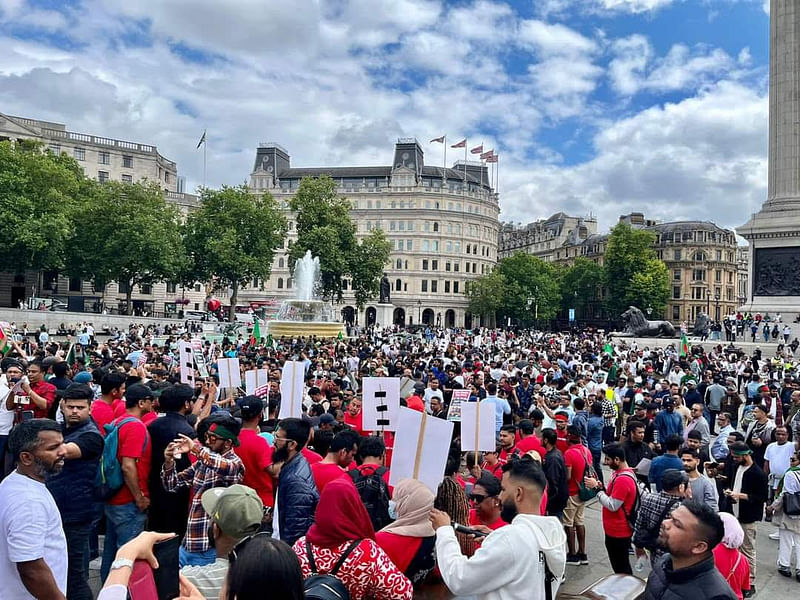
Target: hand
(183,444)
(481,528)
(770,511)
(756,441)
(141,547)
(439,518)
(26,387)
(188,591)
(590,482)
(169,452)
(143,503)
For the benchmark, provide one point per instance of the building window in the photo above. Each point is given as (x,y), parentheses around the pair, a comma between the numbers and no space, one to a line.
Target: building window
(676,313)
(699,256)
(127,161)
(447,266)
(172,288)
(398,263)
(676,293)
(446,287)
(55,149)
(435,227)
(288,283)
(166,177)
(698,275)
(127,178)
(196,287)
(392,225)
(434,286)
(698,293)
(123,287)
(79,153)
(455,287)
(280,283)
(677,254)
(676,275)
(424,264)
(719,255)
(146,289)
(398,285)
(434,265)
(75,284)
(718,276)
(424,283)
(425,246)
(102,176)
(456,267)
(280,263)
(104,158)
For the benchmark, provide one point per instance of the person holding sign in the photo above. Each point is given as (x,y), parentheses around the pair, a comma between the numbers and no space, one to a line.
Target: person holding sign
(515,562)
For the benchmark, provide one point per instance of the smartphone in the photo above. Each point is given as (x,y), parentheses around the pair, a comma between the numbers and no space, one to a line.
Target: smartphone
(141,585)
(166,576)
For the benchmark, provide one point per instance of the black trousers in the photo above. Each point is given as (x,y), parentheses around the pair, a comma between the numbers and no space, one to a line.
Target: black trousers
(617,549)
(77,535)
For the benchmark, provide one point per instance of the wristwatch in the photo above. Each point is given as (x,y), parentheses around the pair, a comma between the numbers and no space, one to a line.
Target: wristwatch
(119,563)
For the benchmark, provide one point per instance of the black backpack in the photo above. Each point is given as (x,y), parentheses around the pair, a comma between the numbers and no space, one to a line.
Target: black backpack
(326,586)
(374,494)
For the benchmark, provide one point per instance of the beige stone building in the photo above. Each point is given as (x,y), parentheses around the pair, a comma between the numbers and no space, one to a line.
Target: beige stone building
(103,159)
(442,224)
(545,237)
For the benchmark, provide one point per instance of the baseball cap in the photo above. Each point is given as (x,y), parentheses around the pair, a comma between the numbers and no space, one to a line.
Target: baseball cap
(672,478)
(667,402)
(82,377)
(76,391)
(250,406)
(139,391)
(326,419)
(237,510)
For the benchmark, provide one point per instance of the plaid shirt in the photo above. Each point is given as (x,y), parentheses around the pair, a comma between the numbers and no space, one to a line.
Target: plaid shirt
(211,470)
(652,511)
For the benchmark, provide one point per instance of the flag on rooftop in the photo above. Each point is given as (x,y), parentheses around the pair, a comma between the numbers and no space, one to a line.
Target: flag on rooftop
(461,144)
(488,154)
(439,140)
(477,150)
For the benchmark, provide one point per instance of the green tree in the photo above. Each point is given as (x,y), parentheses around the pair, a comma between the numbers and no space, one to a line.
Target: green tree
(520,287)
(633,273)
(39,191)
(232,238)
(126,232)
(580,284)
(325,228)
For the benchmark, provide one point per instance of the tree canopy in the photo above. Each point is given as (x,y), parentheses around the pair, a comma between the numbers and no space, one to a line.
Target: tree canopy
(325,228)
(580,286)
(232,238)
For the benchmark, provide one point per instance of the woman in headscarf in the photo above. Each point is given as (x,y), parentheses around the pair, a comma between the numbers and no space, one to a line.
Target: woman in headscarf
(729,559)
(341,523)
(788,525)
(410,540)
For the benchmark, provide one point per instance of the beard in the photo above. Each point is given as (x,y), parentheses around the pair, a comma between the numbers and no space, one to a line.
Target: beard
(280,455)
(43,470)
(508,510)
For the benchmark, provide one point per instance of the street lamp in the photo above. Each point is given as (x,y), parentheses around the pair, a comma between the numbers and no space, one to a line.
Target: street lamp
(716,309)
(708,299)
(419,312)
(649,311)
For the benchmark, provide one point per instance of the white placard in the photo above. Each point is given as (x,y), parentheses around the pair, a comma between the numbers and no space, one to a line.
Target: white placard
(381,401)
(255,379)
(186,362)
(458,398)
(477,426)
(292,388)
(421,445)
(199,359)
(229,375)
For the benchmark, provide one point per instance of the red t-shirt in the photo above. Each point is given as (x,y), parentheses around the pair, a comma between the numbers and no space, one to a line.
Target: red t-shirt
(134,442)
(529,443)
(474,519)
(102,414)
(738,578)
(149,417)
(46,391)
(561,441)
(324,473)
(119,408)
(414,402)
(356,423)
(256,455)
(311,456)
(621,487)
(401,549)
(576,457)
(496,469)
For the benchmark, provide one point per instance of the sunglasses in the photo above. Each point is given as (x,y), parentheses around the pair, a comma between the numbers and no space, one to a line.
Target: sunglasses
(477,498)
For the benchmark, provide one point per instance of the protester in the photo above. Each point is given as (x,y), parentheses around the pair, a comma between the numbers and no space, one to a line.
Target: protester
(619,503)
(371,479)
(703,489)
(668,460)
(730,562)
(556,472)
(73,488)
(342,526)
(513,562)
(409,541)
(654,509)
(577,460)
(255,452)
(297,496)
(339,458)
(216,465)
(788,525)
(688,571)
(485,499)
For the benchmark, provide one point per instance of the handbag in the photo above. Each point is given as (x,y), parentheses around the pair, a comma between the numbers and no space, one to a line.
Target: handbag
(791,502)
(585,493)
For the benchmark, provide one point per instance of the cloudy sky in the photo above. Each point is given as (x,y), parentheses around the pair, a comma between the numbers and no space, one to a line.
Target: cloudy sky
(596,106)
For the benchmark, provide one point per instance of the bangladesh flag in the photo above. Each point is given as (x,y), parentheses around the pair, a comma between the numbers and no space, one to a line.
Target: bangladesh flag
(608,349)
(71,355)
(255,337)
(684,346)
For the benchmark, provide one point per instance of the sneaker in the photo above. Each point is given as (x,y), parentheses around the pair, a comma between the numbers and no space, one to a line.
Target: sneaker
(749,593)
(774,535)
(631,551)
(572,559)
(585,560)
(785,571)
(797,575)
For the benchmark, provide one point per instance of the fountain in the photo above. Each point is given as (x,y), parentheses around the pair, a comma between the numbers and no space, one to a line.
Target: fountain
(307,314)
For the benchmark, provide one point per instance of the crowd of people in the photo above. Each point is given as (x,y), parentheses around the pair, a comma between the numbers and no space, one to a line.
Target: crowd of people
(684,452)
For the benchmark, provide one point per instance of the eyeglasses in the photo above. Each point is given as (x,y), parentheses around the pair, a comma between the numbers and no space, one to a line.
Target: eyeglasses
(477,498)
(211,438)
(240,546)
(281,439)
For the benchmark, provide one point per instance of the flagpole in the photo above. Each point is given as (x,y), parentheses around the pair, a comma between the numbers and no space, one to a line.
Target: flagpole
(205,146)
(465,168)
(497,191)
(444,161)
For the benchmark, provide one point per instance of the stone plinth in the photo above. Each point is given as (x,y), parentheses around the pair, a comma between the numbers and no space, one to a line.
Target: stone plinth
(320,329)
(384,314)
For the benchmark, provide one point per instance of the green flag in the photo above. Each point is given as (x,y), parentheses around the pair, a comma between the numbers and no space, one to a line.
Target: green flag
(340,337)
(269,340)
(256,335)
(71,355)
(684,346)
(608,349)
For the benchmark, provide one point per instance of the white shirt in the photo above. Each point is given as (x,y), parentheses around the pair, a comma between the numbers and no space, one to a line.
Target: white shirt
(6,416)
(507,565)
(31,527)
(778,457)
(737,486)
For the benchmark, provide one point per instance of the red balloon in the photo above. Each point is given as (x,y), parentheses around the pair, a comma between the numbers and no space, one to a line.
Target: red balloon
(213,304)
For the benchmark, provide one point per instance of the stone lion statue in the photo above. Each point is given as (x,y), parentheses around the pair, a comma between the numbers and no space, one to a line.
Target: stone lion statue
(702,324)
(637,326)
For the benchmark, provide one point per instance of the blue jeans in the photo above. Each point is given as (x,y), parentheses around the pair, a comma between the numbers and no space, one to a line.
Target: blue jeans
(597,463)
(123,523)
(196,559)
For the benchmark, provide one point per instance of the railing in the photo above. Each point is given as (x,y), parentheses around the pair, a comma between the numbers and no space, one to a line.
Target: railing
(101,141)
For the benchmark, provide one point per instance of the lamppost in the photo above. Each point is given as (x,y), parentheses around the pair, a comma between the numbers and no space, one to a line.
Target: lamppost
(708,299)
(716,309)
(439,319)
(649,311)
(419,312)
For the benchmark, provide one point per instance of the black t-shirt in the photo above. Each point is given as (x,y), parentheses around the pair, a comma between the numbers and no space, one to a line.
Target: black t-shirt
(90,444)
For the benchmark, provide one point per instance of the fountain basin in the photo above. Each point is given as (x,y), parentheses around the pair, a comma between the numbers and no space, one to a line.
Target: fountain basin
(319,329)
(304,318)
